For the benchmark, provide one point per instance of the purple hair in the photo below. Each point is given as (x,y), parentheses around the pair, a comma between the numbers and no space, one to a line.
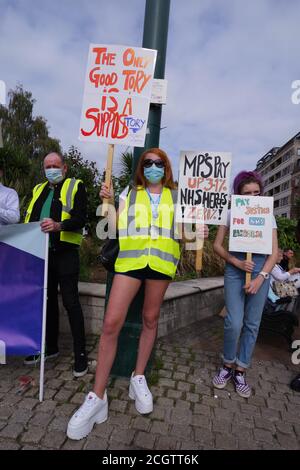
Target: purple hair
(246,177)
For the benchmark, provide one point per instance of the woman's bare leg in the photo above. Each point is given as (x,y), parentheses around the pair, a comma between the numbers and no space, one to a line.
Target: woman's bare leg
(122,293)
(154,295)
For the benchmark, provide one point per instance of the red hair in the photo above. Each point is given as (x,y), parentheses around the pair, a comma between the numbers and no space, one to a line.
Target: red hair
(167,181)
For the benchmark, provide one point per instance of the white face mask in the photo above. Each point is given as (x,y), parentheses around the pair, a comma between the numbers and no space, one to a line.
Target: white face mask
(54,175)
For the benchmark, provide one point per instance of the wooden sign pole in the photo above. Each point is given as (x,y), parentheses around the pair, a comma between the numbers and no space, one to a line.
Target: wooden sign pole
(108,173)
(248,275)
(199,253)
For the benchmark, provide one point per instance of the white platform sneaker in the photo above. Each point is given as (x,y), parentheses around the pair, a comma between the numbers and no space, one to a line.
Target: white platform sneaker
(139,391)
(93,410)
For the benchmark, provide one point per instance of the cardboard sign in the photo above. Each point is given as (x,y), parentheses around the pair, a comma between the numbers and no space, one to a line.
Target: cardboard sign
(117,93)
(203,187)
(251,224)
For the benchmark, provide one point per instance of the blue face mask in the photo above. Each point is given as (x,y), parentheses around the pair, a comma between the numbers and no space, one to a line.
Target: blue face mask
(154,174)
(54,175)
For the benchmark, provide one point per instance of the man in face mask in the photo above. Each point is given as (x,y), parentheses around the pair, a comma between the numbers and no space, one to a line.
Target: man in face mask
(60,204)
(9,203)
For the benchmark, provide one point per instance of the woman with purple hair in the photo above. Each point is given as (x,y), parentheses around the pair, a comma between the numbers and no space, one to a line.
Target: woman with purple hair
(244,304)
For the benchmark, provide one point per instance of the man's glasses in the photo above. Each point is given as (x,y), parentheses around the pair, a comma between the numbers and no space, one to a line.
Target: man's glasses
(158,163)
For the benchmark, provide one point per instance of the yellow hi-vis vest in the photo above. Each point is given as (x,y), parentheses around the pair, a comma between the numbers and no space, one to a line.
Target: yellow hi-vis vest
(144,241)
(67,195)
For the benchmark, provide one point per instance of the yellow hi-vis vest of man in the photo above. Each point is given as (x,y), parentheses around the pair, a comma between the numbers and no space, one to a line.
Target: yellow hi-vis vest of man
(67,195)
(144,241)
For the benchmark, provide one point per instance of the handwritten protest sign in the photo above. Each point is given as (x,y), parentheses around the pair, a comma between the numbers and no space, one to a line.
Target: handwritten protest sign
(203,187)
(251,224)
(117,93)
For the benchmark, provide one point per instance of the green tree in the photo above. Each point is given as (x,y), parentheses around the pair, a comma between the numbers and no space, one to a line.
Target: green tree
(22,131)
(89,174)
(126,165)
(286,229)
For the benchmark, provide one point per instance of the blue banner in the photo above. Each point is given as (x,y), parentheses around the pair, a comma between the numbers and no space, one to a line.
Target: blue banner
(22,263)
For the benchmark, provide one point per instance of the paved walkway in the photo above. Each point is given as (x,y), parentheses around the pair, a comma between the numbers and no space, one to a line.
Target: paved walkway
(188,413)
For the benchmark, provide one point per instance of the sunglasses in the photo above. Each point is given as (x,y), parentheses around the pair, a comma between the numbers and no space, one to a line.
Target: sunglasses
(158,163)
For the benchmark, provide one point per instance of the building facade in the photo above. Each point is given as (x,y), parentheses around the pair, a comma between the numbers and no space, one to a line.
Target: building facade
(280,172)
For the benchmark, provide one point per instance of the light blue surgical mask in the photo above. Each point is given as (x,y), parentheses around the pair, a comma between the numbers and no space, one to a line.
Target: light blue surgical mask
(154,174)
(54,175)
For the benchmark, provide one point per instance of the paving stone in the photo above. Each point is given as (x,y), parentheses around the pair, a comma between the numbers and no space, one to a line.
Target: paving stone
(166,443)
(123,435)
(118,405)
(6,412)
(204,437)
(73,445)
(179,376)
(165,402)
(285,428)
(181,431)
(94,443)
(262,423)
(41,419)
(174,394)
(159,428)
(270,415)
(250,409)
(262,435)
(182,404)
(78,398)
(184,369)
(224,414)
(276,405)
(158,413)
(184,386)
(192,397)
(12,431)
(120,421)
(202,409)
(66,409)
(179,416)
(54,439)
(145,440)
(221,426)
(226,442)
(63,395)
(47,406)
(9,445)
(167,383)
(33,435)
(287,441)
(201,421)
(28,403)
(165,373)
(103,430)
(290,417)
(59,423)
(142,424)
(189,445)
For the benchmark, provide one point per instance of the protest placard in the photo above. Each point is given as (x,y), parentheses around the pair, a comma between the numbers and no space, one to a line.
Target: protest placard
(203,187)
(117,93)
(251,223)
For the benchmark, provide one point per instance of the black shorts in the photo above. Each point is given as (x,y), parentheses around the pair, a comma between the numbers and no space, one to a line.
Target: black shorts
(147,273)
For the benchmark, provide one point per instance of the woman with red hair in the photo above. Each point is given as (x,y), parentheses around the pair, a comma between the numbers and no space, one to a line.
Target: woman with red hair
(149,253)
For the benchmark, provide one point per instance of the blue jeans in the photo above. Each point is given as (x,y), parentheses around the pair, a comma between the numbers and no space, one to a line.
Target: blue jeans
(243,312)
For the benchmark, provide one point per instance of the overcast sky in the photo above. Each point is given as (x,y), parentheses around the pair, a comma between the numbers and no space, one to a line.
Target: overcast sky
(230,67)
